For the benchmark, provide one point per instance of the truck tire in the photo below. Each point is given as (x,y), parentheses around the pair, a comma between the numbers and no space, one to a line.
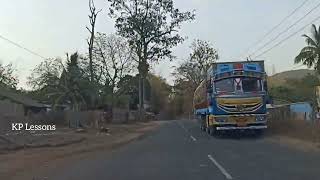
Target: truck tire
(202,128)
(213,131)
(208,129)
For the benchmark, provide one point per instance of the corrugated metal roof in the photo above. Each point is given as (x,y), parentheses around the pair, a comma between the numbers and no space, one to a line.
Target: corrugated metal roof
(18,98)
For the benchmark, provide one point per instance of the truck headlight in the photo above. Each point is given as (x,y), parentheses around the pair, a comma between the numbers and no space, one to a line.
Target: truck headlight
(260,118)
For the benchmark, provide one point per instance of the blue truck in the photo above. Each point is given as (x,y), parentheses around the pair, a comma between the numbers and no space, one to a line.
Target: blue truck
(232,97)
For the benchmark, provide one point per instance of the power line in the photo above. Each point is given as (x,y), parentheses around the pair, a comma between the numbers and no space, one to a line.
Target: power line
(288,37)
(276,26)
(287,29)
(20,46)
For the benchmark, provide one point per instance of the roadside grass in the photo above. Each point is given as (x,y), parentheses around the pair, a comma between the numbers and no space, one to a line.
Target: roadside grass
(295,128)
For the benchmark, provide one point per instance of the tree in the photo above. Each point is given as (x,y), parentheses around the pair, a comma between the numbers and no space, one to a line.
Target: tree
(282,93)
(92,17)
(129,85)
(190,73)
(296,90)
(160,92)
(151,27)
(70,89)
(203,54)
(303,89)
(58,83)
(45,74)
(199,61)
(7,76)
(45,78)
(115,56)
(310,54)
(181,99)
(93,77)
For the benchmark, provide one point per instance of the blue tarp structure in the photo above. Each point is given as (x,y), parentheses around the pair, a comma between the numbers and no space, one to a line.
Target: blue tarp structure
(303,108)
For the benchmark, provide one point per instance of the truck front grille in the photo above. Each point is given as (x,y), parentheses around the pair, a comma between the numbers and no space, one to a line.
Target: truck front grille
(239,105)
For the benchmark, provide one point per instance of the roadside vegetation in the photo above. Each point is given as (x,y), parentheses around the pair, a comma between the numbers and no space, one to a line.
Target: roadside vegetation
(115,70)
(297,88)
(293,89)
(297,129)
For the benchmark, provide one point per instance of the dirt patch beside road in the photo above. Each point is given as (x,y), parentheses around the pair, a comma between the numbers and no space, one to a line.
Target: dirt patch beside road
(25,140)
(295,128)
(296,133)
(28,163)
(298,144)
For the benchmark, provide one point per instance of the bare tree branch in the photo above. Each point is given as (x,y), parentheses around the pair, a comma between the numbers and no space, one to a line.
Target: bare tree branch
(92,18)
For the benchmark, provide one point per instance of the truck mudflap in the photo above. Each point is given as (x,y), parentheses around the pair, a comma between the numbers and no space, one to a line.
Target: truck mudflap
(241,128)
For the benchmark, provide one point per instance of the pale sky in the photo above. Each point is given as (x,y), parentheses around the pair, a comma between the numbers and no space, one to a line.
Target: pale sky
(53,27)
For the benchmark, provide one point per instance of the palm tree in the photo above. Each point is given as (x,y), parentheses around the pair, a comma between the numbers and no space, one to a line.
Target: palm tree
(67,88)
(310,55)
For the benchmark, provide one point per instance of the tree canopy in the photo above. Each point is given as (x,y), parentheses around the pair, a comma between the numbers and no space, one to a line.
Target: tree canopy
(152,29)
(190,73)
(310,54)
(194,68)
(115,58)
(296,90)
(7,76)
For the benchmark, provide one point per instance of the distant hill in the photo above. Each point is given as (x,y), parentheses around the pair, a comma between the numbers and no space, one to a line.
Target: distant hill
(280,78)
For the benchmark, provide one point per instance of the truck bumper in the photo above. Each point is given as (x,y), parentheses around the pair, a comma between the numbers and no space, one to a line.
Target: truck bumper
(238,122)
(241,128)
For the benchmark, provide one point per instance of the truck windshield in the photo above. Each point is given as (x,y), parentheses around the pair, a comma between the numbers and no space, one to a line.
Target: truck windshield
(250,84)
(224,85)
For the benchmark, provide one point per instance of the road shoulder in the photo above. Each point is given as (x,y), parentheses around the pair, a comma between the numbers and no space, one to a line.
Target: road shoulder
(294,143)
(28,163)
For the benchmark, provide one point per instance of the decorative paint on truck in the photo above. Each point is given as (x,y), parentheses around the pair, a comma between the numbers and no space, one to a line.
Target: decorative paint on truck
(232,96)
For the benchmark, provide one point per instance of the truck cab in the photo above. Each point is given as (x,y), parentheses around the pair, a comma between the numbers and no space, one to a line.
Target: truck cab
(232,97)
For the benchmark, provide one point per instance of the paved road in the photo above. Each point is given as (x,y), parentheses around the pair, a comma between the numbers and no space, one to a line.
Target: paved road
(179,150)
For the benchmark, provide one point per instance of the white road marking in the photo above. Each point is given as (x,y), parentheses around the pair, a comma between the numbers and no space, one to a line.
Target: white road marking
(193,138)
(223,171)
(182,126)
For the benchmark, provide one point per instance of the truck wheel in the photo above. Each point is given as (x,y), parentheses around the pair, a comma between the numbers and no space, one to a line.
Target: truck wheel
(208,130)
(213,131)
(202,127)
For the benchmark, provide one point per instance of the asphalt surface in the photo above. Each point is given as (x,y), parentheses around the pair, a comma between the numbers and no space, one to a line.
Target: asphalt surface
(179,150)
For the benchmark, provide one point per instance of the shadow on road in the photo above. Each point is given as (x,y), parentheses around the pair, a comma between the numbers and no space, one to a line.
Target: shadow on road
(238,135)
